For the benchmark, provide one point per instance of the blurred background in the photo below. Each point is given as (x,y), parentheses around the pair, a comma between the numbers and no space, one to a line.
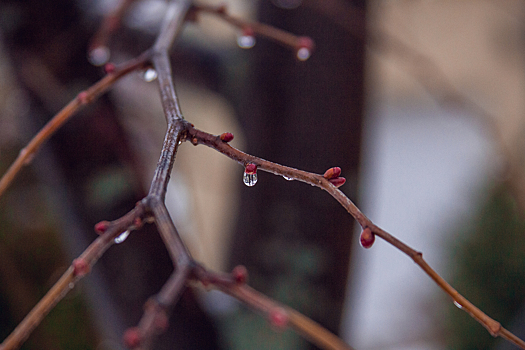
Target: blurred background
(420,103)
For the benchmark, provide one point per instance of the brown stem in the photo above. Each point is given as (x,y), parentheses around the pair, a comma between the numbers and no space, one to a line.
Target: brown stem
(278,35)
(88,258)
(26,154)
(308,328)
(494,327)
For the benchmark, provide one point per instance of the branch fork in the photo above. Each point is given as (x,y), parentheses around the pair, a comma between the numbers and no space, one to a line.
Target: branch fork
(152,208)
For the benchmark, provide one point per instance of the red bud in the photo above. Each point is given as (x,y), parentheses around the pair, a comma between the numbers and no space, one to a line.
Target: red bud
(80,267)
(83,97)
(250,168)
(305,42)
(240,274)
(132,338)
(338,181)
(101,227)
(367,238)
(278,317)
(109,68)
(227,136)
(332,173)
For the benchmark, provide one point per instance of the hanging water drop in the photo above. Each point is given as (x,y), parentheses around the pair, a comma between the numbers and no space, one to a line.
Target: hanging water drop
(71,285)
(303,54)
(458,305)
(249,179)
(246,41)
(250,175)
(99,56)
(288,178)
(150,74)
(122,237)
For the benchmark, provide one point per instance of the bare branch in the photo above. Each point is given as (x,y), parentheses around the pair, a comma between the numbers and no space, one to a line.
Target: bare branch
(82,99)
(199,137)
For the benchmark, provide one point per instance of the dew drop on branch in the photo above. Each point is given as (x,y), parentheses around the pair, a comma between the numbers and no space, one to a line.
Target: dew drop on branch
(99,56)
(249,179)
(303,54)
(150,74)
(122,237)
(458,305)
(250,175)
(246,41)
(288,178)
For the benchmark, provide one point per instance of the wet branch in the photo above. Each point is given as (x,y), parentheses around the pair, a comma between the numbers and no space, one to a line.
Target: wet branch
(152,209)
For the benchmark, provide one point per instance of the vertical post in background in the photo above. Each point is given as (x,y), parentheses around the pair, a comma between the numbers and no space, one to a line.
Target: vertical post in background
(295,240)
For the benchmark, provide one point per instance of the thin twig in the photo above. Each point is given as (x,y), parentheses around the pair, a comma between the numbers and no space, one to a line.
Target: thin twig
(278,35)
(83,98)
(279,315)
(199,137)
(78,269)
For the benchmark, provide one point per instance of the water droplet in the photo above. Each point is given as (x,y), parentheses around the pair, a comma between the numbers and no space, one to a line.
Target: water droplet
(303,54)
(99,56)
(249,179)
(122,237)
(458,305)
(150,74)
(288,178)
(246,41)
(71,285)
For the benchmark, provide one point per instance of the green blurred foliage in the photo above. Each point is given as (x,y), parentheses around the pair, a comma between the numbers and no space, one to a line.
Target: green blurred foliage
(488,268)
(32,260)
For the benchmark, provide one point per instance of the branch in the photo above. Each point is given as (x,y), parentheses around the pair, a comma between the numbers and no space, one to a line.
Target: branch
(78,269)
(329,183)
(83,98)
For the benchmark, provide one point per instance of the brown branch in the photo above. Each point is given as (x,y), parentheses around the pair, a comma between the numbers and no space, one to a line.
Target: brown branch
(199,137)
(100,40)
(83,98)
(278,315)
(264,30)
(78,269)
(153,207)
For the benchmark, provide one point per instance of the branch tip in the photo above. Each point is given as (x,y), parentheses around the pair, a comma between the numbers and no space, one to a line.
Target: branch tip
(102,227)
(226,137)
(332,173)
(367,238)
